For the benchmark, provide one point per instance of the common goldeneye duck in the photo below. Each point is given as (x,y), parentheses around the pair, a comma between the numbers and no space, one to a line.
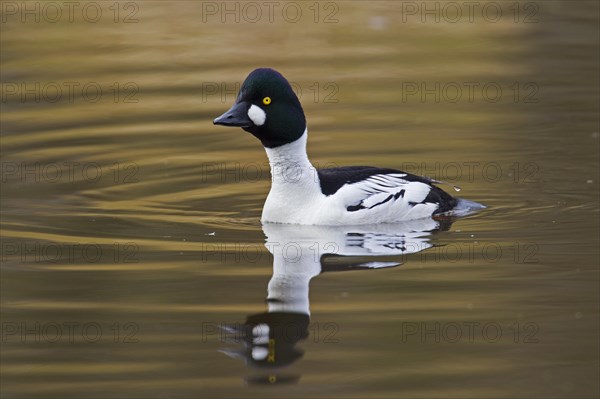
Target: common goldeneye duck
(268,108)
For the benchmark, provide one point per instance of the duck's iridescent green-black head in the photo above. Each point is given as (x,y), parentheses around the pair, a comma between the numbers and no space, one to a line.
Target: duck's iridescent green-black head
(267,107)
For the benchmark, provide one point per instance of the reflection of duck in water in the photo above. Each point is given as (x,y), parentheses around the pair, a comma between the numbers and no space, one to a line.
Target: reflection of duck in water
(299,254)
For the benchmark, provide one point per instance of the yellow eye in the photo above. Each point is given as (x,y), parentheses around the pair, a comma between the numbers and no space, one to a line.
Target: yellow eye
(267,100)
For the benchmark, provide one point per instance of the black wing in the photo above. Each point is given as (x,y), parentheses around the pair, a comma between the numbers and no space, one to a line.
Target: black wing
(333,179)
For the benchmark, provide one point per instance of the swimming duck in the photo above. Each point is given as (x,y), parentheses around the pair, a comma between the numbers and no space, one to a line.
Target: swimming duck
(268,108)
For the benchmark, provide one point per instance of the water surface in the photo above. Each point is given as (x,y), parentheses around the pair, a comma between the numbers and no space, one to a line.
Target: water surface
(132,221)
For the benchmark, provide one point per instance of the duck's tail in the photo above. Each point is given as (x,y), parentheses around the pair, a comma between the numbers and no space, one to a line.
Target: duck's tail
(466,207)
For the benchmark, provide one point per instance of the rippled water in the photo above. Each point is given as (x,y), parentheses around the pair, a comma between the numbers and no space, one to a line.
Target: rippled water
(133,260)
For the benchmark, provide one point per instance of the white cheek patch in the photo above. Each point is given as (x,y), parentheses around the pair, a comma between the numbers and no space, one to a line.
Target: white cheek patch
(257,115)
(259,353)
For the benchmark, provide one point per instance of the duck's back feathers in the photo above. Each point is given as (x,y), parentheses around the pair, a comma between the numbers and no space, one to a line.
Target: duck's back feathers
(369,188)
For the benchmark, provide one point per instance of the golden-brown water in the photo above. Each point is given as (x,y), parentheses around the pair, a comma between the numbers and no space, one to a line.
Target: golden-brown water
(130,224)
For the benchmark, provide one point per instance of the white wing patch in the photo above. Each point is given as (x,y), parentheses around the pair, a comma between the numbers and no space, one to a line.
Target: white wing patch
(388,194)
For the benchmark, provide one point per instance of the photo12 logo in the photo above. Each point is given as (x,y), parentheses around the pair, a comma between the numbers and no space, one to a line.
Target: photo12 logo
(69,332)
(321,332)
(55,92)
(44,252)
(480,252)
(470,11)
(471,332)
(471,171)
(253,172)
(317,92)
(291,252)
(270,12)
(470,92)
(68,172)
(69,11)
